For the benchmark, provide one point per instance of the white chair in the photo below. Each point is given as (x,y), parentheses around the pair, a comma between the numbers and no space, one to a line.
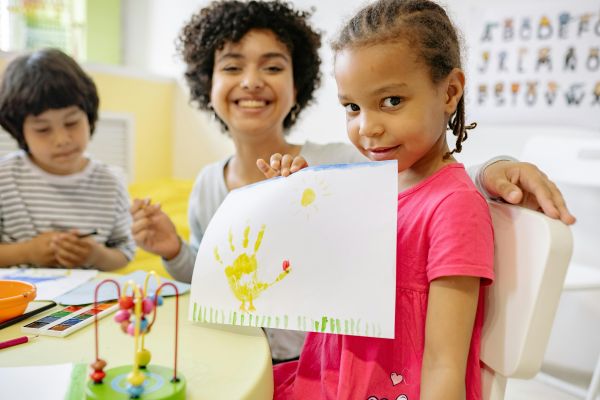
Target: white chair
(573,163)
(532,255)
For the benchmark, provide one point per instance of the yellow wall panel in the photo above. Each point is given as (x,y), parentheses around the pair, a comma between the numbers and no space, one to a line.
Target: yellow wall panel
(151,104)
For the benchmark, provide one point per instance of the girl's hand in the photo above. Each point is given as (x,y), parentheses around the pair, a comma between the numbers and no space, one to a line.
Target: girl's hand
(153,230)
(524,184)
(40,250)
(72,251)
(283,165)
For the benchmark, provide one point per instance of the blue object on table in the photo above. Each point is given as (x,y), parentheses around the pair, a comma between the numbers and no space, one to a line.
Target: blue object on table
(84,294)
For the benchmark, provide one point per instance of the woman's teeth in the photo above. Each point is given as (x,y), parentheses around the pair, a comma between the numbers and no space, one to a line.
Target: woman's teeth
(252,103)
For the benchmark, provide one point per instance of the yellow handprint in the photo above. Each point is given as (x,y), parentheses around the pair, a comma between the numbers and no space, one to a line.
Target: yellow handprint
(242,273)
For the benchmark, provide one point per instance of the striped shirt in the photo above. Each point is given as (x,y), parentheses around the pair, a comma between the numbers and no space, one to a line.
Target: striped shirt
(33,201)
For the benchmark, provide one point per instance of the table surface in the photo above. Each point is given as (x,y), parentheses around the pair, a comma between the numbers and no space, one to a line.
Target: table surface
(218,361)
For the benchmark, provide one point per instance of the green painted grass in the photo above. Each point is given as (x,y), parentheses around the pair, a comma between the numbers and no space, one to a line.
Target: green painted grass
(325,324)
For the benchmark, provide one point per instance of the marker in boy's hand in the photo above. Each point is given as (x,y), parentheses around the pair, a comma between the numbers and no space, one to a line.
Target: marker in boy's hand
(283,165)
(86,234)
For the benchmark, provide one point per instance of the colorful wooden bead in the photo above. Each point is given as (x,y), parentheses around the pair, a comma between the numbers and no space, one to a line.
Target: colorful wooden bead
(135,391)
(147,305)
(131,328)
(97,376)
(158,300)
(124,326)
(143,357)
(98,365)
(126,302)
(136,378)
(143,325)
(122,315)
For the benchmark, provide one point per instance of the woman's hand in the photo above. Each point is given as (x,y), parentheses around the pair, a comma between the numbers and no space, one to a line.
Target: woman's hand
(153,230)
(524,184)
(283,165)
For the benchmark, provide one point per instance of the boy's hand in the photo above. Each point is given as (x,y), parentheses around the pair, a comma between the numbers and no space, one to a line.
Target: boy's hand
(153,230)
(283,165)
(73,251)
(40,250)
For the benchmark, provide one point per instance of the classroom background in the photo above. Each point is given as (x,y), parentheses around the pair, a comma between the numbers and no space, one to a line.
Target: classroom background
(159,142)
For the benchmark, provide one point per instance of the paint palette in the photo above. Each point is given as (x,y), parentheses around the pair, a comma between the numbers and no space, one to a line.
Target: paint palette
(68,320)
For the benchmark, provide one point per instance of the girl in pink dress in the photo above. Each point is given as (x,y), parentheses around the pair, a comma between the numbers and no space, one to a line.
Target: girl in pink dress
(399,78)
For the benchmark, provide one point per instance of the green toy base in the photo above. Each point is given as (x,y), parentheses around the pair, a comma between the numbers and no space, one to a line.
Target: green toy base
(157,386)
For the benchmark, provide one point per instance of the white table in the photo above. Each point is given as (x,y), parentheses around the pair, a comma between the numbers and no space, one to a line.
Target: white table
(219,362)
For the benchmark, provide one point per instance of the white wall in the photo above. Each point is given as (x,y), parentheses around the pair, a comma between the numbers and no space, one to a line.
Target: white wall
(153,25)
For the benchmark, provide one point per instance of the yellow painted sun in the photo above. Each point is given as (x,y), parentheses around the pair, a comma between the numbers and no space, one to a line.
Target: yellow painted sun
(309,195)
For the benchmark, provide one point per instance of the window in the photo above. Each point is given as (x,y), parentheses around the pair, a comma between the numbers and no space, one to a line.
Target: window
(34,24)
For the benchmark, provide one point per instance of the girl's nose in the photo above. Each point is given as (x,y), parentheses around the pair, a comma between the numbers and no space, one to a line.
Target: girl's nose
(369,125)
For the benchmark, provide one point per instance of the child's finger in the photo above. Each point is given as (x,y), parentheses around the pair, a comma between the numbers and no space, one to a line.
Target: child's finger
(286,164)
(266,169)
(276,161)
(69,258)
(298,164)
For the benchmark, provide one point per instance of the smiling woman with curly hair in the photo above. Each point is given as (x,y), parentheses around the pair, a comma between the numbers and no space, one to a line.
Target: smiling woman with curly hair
(228,22)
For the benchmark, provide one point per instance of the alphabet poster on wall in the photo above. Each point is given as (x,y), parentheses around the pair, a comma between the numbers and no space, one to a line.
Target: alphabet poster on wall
(536,63)
(315,251)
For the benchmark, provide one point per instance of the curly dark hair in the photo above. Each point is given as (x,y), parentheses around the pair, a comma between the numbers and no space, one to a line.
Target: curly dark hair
(45,79)
(227,21)
(428,30)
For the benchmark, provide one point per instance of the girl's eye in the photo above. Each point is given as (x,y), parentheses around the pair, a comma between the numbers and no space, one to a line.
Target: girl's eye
(351,107)
(42,130)
(392,101)
(71,123)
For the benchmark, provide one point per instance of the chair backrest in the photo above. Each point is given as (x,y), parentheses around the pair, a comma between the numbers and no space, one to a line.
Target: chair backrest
(532,253)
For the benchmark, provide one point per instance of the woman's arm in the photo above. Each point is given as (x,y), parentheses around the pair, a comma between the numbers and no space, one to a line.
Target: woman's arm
(451,310)
(521,183)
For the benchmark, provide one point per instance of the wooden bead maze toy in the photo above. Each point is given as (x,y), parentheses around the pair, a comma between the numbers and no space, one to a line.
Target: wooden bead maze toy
(141,380)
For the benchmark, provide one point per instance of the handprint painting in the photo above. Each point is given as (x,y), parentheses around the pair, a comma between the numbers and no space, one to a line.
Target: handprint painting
(242,274)
(315,251)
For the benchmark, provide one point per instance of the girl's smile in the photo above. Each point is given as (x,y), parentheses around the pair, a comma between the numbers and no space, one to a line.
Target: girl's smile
(381,153)
(394,110)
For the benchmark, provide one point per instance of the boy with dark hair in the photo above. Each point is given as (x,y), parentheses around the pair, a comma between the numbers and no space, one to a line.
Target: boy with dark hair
(58,207)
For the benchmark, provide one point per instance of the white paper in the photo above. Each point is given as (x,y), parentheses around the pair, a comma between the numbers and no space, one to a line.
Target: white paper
(84,294)
(50,282)
(336,227)
(52,382)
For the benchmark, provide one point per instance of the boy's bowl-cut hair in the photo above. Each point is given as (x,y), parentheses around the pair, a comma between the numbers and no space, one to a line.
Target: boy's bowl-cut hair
(40,81)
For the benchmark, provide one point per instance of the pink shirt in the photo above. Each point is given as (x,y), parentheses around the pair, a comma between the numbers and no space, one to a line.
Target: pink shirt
(444,229)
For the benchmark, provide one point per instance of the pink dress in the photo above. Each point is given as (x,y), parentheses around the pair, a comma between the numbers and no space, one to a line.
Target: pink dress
(444,229)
